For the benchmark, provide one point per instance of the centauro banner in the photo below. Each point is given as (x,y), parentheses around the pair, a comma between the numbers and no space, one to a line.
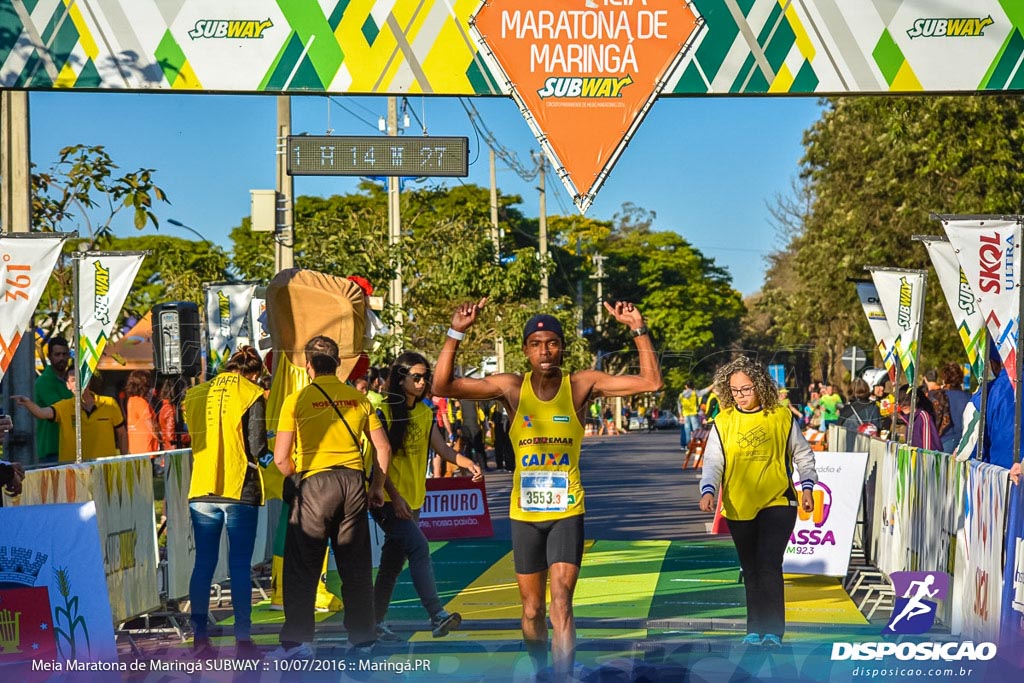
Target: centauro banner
(901,293)
(227,305)
(25,267)
(884,338)
(988,250)
(104,280)
(970,324)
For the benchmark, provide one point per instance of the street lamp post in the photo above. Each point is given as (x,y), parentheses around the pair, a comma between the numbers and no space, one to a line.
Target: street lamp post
(192,230)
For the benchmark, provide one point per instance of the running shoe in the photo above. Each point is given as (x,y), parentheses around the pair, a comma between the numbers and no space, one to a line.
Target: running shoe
(771,641)
(300,651)
(442,622)
(384,633)
(246,649)
(203,649)
(752,639)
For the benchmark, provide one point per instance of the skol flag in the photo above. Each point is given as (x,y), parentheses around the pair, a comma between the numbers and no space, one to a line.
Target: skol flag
(988,250)
(868,295)
(104,280)
(901,293)
(25,267)
(227,306)
(970,324)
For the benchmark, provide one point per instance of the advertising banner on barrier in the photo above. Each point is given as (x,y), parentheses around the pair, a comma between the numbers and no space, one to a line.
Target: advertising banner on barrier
(970,324)
(25,267)
(901,293)
(455,507)
(53,596)
(104,280)
(894,485)
(122,489)
(988,251)
(227,306)
(869,301)
(1011,631)
(984,520)
(822,539)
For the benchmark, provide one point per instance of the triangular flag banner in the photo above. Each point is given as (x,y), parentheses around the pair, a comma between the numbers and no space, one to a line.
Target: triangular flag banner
(104,280)
(868,295)
(970,324)
(900,293)
(585,73)
(227,306)
(988,250)
(25,267)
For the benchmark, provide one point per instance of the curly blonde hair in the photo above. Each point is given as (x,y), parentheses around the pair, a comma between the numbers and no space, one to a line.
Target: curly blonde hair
(764,385)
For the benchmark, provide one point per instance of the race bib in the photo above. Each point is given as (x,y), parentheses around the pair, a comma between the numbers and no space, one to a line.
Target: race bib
(544,492)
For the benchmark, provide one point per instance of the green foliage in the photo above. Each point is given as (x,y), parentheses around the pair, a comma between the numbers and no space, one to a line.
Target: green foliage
(874,170)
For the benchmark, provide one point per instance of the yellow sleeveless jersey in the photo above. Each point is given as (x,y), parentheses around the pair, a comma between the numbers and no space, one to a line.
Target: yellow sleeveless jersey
(546,437)
(758,465)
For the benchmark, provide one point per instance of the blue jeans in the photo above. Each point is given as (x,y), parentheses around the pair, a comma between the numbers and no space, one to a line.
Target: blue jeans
(403,540)
(689,425)
(207,521)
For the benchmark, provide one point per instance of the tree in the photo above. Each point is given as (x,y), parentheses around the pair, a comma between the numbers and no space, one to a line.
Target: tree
(875,169)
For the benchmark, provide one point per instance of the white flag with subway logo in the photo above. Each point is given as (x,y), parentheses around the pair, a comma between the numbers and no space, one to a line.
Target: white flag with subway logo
(227,306)
(104,280)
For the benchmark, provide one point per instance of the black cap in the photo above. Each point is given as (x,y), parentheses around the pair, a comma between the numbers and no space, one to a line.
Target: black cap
(543,323)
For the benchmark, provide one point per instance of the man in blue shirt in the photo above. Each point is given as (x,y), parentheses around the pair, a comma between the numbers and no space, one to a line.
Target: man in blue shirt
(998,415)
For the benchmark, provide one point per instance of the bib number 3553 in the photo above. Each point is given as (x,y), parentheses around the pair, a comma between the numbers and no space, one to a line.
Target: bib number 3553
(544,492)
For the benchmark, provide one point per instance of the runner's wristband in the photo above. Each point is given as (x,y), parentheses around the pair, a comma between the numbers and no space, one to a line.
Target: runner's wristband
(455,334)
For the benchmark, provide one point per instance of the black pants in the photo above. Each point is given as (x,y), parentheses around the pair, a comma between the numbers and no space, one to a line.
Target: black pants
(329,506)
(761,543)
(504,457)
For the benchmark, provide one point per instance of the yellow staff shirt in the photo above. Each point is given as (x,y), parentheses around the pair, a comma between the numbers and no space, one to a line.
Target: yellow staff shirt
(98,425)
(408,470)
(321,440)
(546,438)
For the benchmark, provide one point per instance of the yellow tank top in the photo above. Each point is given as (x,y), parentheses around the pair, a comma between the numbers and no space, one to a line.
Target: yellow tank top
(758,465)
(546,437)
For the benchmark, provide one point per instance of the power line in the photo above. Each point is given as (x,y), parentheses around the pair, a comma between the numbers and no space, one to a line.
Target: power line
(354,115)
(507,156)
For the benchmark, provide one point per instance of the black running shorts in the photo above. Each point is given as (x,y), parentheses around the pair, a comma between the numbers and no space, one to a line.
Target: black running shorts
(538,545)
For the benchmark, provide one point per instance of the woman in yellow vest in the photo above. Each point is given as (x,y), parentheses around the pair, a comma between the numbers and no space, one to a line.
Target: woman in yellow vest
(412,433)
(226,419)
(751,450)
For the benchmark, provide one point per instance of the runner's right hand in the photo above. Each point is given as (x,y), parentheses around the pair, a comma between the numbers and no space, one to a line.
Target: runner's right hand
(465,315)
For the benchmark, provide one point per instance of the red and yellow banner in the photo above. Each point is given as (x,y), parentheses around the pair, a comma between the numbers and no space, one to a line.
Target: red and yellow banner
(26,263)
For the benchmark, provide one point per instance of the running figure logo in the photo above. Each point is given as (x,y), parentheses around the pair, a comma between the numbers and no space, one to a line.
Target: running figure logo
(915,608)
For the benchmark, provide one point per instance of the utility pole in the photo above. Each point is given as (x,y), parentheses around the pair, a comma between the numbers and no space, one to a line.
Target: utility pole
(543,233)
(579,294)
(395,233)
(284,230)
(499,341)
(599,276)
(16,200)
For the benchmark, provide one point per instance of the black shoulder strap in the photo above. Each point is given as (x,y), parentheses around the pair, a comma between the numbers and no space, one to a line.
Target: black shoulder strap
(351,433)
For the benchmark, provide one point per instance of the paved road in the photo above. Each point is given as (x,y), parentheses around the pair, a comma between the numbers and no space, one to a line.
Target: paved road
(636,490)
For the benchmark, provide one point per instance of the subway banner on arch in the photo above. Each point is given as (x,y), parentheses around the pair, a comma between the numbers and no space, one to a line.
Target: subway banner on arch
(104,280)
(901,293)
(227,306)
(988,249)
(884,340)
(25,267)
(970,324)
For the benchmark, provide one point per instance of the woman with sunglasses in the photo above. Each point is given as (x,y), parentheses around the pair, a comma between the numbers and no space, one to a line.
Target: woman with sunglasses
(411,430)
(751,450)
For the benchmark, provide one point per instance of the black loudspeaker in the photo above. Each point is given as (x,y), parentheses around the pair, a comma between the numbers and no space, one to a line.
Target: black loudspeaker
(177,339)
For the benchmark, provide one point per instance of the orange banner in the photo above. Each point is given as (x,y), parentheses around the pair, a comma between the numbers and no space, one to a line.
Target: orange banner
(586,71)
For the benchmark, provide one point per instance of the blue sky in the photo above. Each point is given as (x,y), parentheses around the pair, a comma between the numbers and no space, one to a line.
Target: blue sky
(707,167)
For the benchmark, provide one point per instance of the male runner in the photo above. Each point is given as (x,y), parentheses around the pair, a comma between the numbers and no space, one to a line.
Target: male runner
(548,407)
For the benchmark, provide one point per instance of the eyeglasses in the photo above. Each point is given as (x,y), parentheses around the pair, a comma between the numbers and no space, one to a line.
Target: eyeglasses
(742,391)
(419,377)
